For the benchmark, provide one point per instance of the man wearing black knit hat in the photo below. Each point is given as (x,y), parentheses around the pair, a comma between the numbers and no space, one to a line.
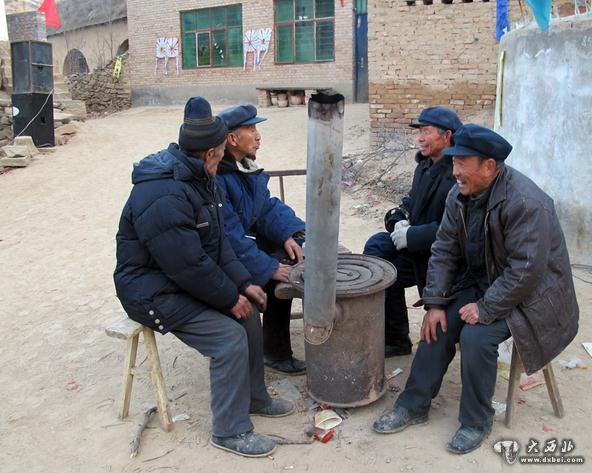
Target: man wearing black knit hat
(176,272)
(499,267)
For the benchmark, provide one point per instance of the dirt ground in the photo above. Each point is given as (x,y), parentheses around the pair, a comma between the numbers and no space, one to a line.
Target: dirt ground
(61,375)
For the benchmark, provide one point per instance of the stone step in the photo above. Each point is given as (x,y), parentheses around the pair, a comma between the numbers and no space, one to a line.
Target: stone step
(76,108)
(61,96)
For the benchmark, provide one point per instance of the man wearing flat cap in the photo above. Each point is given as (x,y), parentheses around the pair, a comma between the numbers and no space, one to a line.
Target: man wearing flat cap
(411,227)
(176,272)
(264,232)
(499,267)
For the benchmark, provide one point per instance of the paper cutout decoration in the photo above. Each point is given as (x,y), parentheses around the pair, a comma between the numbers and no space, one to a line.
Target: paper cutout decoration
(167,48)
(256,42)
(173,51)
(265,35)
(251,43)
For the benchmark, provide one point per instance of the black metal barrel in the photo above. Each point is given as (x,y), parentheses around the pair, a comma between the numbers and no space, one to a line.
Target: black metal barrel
(345,368)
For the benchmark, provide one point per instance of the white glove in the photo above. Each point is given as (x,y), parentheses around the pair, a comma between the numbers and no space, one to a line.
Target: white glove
(399,235)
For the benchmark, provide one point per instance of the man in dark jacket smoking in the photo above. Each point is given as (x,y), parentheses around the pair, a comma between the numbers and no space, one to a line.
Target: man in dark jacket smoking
(499,267)
(176,272)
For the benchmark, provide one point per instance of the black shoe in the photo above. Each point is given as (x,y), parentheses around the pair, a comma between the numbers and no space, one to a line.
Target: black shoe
(292,366)
(277,408)
(249,444)
(398,419)
(399,349)
(467,439)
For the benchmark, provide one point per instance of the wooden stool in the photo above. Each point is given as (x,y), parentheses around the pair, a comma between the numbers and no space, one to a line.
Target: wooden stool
(516,368)
(127,329)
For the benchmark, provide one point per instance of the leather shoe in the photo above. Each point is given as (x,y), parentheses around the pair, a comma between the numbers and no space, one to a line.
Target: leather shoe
(399,349)
(249,444)
(292,366)
(398,419)
(277,408)
(466,439)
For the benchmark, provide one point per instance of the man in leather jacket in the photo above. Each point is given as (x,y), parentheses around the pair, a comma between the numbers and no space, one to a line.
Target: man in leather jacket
(411,227)
(499,268)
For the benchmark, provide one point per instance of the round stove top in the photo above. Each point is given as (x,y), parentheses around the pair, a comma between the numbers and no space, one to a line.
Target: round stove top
(356,275)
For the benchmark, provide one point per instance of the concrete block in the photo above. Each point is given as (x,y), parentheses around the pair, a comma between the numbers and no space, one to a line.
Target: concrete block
(28,142)
(15,162)
(67,129)
(62,117)
(16,151)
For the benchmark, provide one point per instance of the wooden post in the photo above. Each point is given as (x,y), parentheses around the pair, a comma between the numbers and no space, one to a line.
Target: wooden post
(553,390)
(128,375)
(515,369)
(162,401)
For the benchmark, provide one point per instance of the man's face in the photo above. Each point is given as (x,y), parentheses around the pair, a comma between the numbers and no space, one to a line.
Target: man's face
(245,141)
(473,175)
(213,158)
(431,142)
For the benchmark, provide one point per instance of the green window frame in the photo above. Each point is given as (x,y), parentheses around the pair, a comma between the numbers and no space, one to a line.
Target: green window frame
(304,31)
(212,37)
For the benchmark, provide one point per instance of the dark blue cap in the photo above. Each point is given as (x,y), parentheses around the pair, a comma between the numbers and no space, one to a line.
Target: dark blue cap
(475,140)
(438,116)
(240,115)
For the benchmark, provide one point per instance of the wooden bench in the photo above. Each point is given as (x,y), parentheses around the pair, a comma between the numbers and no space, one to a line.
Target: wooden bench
(516,369)
(127,329)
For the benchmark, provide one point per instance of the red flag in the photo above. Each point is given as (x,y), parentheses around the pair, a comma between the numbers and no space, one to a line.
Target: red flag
(52,17)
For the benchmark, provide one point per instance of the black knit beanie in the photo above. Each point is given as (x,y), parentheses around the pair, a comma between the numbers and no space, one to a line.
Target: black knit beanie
(200,130)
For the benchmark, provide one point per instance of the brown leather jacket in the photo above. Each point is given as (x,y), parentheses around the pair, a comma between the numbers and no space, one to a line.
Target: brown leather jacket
(531,284)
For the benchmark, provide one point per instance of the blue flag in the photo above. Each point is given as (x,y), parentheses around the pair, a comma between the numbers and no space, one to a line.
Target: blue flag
(541,10)
(502,25)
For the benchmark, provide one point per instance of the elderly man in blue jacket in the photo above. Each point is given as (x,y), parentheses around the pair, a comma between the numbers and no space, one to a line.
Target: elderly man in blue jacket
(264,232)
(176,272)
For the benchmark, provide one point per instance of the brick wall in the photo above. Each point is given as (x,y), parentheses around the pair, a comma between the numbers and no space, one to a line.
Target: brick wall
(144,30)
(424,55)
(26,26)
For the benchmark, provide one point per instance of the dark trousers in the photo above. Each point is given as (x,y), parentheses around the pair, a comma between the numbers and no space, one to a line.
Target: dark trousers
(396,317)
(478,345)
(276,325)
(235,350)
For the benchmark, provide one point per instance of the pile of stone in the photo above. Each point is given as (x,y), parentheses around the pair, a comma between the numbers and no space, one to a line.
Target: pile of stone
(18,154)
(101,90)
(5,119)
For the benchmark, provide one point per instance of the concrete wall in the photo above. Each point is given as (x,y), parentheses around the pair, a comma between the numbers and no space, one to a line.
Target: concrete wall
(423,55)
(97,43)
(232,83)
(546,113)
